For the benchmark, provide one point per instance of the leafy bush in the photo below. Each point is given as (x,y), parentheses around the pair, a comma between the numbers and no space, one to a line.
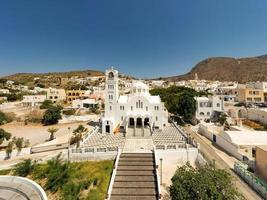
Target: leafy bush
(46,104)
(5,118)
(68,112)
(4,135)
(24,168)
(52,115)
(205,182)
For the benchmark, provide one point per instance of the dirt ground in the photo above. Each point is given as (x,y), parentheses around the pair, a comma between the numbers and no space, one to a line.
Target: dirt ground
(37,133)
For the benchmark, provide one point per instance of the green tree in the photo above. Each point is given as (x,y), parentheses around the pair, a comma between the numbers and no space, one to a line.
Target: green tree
(78,135)
(4,135)
(19,143)
(186,106)
(205,183)
(46,104)
(52,115)
(3,81)
(9,149)
(52,131)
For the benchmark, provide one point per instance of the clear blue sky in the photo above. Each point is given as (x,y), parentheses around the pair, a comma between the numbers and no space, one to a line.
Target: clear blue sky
(143,38)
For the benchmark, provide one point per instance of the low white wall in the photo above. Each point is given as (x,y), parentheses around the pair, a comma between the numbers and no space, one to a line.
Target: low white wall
(171,159)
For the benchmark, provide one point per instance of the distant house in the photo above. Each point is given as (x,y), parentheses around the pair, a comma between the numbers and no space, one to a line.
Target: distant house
(84,103)
(74,94)
(249,94)
(206,106)
(4,91)
(33,100)
(55,95)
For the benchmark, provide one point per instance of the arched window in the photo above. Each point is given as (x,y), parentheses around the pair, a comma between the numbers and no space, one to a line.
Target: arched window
(201,113)
(111,75)
(208,113)
(218,105)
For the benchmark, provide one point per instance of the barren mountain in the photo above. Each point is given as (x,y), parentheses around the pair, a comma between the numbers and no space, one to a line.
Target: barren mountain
(229,69)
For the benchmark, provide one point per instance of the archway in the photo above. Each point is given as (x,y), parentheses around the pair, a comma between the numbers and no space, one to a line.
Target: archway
(131,122)
(139,122)
(146,122)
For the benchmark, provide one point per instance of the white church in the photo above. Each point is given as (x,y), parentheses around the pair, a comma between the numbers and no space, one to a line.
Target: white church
(137,112)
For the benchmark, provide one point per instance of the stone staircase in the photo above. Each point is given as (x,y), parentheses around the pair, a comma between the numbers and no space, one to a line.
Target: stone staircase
(135,178)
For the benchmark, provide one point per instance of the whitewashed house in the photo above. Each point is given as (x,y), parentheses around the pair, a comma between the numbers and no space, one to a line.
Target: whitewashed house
(84,103)
(33,100)
(206,106)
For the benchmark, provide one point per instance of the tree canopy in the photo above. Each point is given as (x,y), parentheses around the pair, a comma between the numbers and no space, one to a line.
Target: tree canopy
(178,100)
(52,115)
(205,183)
(4,135)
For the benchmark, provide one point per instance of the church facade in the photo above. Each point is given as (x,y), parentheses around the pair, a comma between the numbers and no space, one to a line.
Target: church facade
(138,109)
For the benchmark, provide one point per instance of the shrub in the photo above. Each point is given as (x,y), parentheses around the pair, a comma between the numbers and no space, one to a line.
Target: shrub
(5,118)
(24,168)
(69,112)
(52,115)
(34,116)
(46,104)
(4,135)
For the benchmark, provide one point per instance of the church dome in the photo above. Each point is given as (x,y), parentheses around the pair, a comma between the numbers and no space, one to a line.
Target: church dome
(139,87)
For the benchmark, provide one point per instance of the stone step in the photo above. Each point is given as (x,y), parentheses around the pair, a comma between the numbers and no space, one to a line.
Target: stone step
(135,168)
(134,192)
(136,163)
(133,198)
(135,178)
(135,173)
(124,184)
(130,159)
(136,155)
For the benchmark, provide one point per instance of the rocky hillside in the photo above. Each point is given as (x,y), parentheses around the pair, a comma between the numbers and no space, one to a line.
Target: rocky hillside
(51,78)
(229,69)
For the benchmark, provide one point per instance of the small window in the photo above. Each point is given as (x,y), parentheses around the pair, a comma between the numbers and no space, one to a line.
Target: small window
(121,118)
(156,118)
(110,107)
(146,108)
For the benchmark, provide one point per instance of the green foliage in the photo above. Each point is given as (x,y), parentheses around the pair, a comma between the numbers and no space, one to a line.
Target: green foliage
(178,100)
(52,115)
(205,182)
(5,171)
(9,149)
(52,131)
(18,142)
(78,135)
(4,118)
(57,174)
(4,135)
(75,86)
(24,168)
(46,104)
(13,97)
(69,112)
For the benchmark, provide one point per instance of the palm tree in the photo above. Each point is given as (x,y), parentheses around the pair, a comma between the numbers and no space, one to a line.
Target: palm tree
(78,135)
(52,131)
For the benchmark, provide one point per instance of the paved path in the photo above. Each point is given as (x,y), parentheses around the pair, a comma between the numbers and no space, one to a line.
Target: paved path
(138,146)
(210,153)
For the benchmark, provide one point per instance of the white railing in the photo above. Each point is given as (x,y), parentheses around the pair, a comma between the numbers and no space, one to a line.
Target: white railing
(170,146)
(89,134)
(114,172)
(157,173)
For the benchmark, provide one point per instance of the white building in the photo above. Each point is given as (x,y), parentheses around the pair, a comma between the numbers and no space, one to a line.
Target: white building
(240,142)
(4,91)
(55,95)
(84,103)
(33,100)
(137,110)
(206,106)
